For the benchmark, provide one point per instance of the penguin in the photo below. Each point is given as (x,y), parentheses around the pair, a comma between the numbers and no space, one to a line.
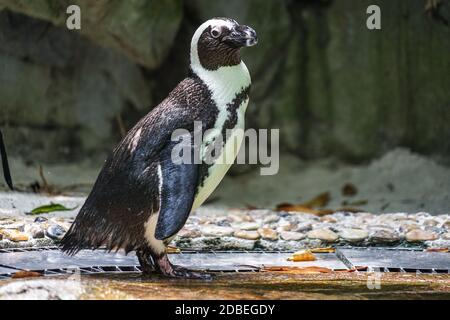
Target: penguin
(142,198)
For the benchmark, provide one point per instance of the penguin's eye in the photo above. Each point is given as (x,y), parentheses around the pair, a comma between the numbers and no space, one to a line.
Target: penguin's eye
(216,32)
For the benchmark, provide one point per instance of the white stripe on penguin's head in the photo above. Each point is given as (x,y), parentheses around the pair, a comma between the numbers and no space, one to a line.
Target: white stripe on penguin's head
(215,22)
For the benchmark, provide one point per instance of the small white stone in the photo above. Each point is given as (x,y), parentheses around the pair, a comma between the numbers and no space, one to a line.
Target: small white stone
(247,226)
(247,234)
(292,236)
(268,234)
(216,231)
(323,234)
(420,235)
(353,235)
(384,235)
(271,218)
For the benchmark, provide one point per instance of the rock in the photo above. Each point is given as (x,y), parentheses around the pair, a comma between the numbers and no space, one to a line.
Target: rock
(216,231)
(271,218)
(14,235)
(247,226)
(13,226)
(446,236)
(292,236)
(407,227)
(55,232)
(328,219)
(353,235)
(286,225)
(303,226)
(247,234)
(189,233)
(42,289)
(420,235)
(40,219)
(383,235)
(323,234)
(35,230)
(224,243)
(268,234)
(430,223)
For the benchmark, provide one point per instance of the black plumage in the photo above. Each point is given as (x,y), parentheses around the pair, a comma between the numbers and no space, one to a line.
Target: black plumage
(126,192)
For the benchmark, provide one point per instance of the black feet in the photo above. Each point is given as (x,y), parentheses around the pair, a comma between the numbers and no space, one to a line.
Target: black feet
(146,262)
(164,267)
(181,272)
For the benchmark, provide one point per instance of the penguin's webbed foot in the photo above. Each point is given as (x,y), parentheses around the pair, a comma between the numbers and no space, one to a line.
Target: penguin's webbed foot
(181,272)
(172,271)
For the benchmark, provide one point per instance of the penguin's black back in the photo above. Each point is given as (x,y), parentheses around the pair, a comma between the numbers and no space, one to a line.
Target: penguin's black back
(126,192)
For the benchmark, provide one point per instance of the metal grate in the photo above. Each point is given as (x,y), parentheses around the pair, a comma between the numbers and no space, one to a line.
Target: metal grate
(89,262)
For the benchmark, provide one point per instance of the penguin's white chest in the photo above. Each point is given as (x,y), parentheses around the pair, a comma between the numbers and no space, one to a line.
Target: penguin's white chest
(228,154)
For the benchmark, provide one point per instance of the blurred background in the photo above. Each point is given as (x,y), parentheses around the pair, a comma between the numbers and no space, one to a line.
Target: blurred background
(364,116)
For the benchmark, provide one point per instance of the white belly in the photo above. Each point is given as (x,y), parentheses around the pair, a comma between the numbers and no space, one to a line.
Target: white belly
(223,163)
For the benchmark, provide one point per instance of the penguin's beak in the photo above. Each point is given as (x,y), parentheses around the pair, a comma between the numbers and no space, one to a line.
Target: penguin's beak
(242,36)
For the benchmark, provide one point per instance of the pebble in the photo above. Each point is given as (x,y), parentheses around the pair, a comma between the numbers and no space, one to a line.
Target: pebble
(55,232)
(323,234)
(353,235)
(328,219)
(268,234)
(420,235)
(216,231)
(247,234)
(40,219)
(247,226)
(271,218)
(189,233)
(14,235)
(303,226)
(384,235)
(35,230)
(430,223)
(292,236)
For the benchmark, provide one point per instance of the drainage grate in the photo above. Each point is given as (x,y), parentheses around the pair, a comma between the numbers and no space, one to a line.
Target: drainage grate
(51,261)
(405,260)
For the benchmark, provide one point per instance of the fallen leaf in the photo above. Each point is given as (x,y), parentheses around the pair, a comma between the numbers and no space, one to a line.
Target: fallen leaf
(25,274)
(323,250)
(50,208)
(437,250)
(172,249)
(308,207)
(319,201)
(302,255)
(299,270)
(349,190)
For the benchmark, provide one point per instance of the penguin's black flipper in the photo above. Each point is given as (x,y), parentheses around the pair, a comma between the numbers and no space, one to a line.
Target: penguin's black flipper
(178,184)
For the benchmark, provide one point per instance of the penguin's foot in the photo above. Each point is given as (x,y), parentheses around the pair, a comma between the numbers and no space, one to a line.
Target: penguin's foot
(172,271)
(146,262)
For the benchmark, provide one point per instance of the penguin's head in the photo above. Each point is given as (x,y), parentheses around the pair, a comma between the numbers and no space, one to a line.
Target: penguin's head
(217,43)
